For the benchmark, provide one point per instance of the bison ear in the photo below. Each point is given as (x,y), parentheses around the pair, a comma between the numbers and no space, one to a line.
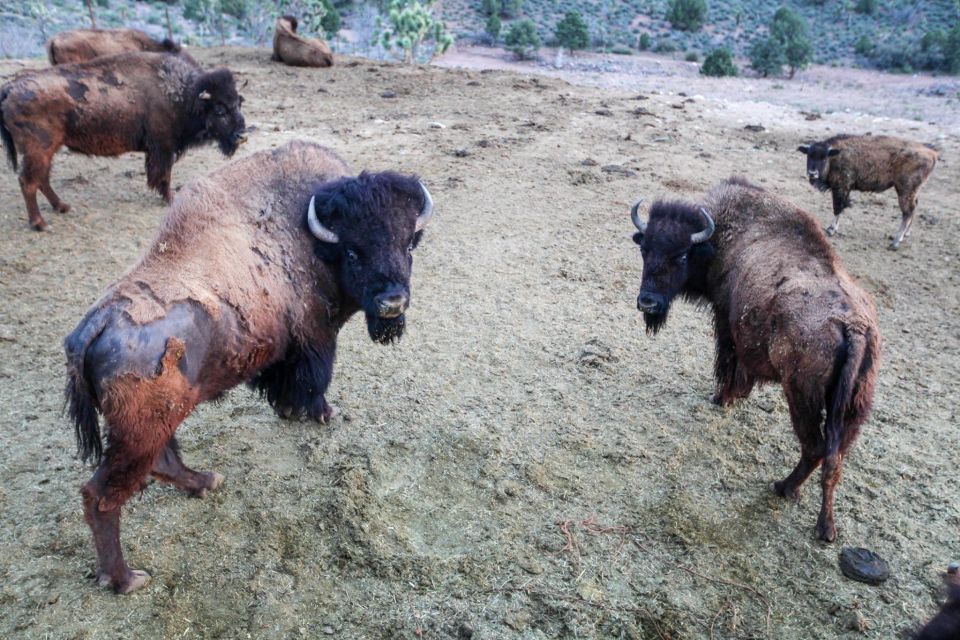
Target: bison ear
(638,237)
(803,149)
(833,152)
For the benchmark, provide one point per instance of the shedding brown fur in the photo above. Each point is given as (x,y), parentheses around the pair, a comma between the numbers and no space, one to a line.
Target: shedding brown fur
(293,49)
(81,45)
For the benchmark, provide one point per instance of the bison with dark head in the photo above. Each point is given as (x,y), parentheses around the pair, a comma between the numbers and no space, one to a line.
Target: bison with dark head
(845,163)
(158,104)
(250,278)
(82,45)
(785,310)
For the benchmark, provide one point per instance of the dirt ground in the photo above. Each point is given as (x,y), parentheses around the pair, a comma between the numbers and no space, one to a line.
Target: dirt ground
(527,463)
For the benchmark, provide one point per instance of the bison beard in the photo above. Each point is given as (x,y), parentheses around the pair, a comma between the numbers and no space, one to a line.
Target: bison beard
(655,321)
(385,330)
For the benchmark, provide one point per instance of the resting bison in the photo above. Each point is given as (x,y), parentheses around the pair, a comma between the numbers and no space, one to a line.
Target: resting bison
(785,310)
(251,276)
(870,163)
(155,103)
(946,624)
(291,48)
(81,45)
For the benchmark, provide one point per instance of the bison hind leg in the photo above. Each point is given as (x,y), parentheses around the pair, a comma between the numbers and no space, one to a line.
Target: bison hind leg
(169,467)
(296,385)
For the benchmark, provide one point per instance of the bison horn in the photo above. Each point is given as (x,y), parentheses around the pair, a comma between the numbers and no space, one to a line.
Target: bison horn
(703,236)
(635,216)
(205,95)
(317,229)
(427,212)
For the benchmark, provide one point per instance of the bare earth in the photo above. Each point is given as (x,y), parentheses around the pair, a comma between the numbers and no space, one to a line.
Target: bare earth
(527,463)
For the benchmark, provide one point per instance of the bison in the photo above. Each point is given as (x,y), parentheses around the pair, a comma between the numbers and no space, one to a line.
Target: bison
(250,278)
(946,624)
(785,310)
(870,163)
(155,103)
(82,45)
(291,48)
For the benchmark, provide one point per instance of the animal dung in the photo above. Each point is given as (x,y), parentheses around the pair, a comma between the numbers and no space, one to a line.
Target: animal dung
(864,565)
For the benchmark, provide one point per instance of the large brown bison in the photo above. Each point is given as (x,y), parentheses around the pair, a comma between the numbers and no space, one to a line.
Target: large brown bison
(293,49)
(846,163)
(785,310)
(251,276)
(155,103)
(946,624)
(81,45)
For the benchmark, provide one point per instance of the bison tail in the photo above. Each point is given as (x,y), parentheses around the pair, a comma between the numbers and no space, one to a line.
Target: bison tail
(6,137)
(81,401)
(846,397)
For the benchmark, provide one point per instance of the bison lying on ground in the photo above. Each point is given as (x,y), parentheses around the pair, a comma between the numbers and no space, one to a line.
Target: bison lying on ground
(251,276)
(870,163)
(291,48)
(81,45)
(946,624)
(785,310)
(155,103)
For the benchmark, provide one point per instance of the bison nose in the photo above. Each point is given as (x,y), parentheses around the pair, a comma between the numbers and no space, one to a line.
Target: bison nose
(647,303)
(813,174)
(391,305)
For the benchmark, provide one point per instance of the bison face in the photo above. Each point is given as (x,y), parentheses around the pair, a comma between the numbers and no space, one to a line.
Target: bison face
(818,163)
(367,228)
(676,255)
(219,106)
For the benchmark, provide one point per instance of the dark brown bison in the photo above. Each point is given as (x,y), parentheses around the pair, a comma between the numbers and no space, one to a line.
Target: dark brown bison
(785,310)
(844,163)
(81,45)
(946,624)
(252,274)
(155,103)
(291,48)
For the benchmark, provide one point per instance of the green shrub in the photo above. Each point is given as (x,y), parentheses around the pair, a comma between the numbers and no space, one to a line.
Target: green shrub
(767,57)
(664,46)
(864,45)
(522,39)
(621,50)
(644,41)
(718,63)
(493,27)
(410,24)
(511,8)
(572,32)
(687,15)
(691,56)
(790,29)
(491,7)
(866,7)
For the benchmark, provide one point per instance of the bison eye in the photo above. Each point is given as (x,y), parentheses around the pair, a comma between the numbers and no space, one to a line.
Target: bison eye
(352,255)
(410,248)
(681,259)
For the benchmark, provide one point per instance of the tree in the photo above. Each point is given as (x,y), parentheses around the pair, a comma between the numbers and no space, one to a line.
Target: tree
(866,7)
(718,63)
(951,50)
(511,8)
(522,39)
(687,15)
(864,46)
(493,27)
(410,23)
(644,42)
(790,30)
(767,57)
(572,32)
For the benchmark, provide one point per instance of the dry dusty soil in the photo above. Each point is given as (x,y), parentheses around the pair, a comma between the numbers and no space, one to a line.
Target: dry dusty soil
(527,463)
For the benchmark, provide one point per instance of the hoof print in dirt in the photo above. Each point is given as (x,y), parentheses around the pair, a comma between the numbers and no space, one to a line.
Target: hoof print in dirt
(864,565)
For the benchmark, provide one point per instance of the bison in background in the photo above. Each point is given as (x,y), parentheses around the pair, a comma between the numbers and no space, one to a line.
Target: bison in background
(151,102)
(785,310)
(81,45)
(847,163)
(291,48)
(252,274)
(946,624)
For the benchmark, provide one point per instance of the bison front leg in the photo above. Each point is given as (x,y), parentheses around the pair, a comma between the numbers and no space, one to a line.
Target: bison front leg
(907,198)
(169,467)
(159,172)
(841,200)
(733,382)
(296,386)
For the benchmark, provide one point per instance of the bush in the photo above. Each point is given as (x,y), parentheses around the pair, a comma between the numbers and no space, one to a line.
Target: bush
(644,41)
(511,8)
(866,7)
(767,57)
(718,63)
(621,50)
(864,45)
(691,56)
(522,39)
(790,30)
(687,15)
(493,27)
(491,7)
(572,32)
(664,46)
(410,24)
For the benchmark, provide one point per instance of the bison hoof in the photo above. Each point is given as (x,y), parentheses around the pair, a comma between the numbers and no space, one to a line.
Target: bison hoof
(780,488)
(62,207)
(134,580)
(721,400)
(826,531)
(40,225)
(329,413)
(893,246)
(214,480)
(831,231)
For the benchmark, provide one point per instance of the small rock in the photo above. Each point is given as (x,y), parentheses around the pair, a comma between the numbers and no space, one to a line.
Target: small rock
(589,162)
(531,566)
(437,125)
(328,630)
(460,153)
(756,128)
(616,168)
(388,94)
(863,565)
(603,112)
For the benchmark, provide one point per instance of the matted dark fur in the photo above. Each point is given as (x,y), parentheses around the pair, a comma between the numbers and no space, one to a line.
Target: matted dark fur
(845,163)
(82,45)
(155,103)
(946,624)
(234,288)
(785,310)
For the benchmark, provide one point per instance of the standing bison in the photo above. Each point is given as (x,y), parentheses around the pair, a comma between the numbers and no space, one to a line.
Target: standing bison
(785,310)
(253,273)
(291,48)
(82,45)
(155,103)
(870,163)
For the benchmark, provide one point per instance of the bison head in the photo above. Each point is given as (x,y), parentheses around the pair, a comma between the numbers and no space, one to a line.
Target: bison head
(218,105)
(367,228)
(818,163)
(674,243)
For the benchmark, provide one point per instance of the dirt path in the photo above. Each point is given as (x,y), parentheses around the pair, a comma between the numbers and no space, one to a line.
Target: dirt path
(526,463)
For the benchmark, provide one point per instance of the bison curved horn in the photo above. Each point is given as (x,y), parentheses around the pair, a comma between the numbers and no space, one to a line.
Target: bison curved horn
(427,212)
(703,236)
(635,216)
(316,228)
(204,95)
